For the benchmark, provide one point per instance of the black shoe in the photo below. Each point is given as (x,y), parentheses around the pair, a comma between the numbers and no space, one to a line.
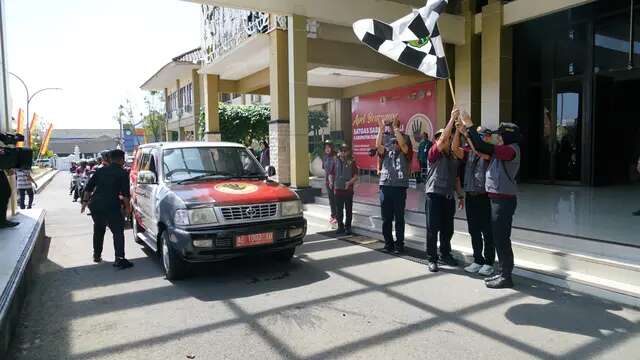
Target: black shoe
(491,278)
(97,258)
(389,248)
(399,249)
(122,263)
(432,266)
(500,283)
(637,213)
(340,231)
(347,231)
(8,224)
(449,260)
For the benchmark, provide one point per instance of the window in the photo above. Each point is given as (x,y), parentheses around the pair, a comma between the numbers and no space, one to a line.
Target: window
(229,162)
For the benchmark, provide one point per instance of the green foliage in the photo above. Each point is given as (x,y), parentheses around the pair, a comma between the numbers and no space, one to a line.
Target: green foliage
(154,126)
(317,121)
(241,123)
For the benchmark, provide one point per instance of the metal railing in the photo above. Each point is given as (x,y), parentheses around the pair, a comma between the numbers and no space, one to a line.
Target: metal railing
(224,29)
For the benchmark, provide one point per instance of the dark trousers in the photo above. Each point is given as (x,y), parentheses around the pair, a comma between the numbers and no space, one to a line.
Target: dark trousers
(502,211)
(392,203)
(440,211)
(478,208)
(5,195)
(23,193)
(332,202)
(344,203)
(115,222)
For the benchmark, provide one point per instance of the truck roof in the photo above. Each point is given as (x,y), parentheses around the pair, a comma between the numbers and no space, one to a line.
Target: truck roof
(191,144)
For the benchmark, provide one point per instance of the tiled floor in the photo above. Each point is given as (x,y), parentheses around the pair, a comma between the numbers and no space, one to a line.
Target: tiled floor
(598,213)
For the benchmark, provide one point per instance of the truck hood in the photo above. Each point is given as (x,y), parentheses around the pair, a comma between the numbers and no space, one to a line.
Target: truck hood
(232,192)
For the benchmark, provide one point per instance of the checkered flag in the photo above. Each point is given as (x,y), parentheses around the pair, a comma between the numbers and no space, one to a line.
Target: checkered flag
(413,40)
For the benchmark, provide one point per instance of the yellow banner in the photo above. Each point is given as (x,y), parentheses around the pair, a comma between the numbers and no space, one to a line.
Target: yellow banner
(32,128)
(20,126)
(45,142)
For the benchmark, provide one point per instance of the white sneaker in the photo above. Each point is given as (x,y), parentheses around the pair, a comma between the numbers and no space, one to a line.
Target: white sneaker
(486,270)
(473,268)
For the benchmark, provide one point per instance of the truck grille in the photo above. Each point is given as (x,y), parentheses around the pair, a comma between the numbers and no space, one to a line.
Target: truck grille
(249,212)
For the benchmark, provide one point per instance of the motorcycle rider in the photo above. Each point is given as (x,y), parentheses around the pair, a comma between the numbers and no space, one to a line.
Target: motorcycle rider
(81,178)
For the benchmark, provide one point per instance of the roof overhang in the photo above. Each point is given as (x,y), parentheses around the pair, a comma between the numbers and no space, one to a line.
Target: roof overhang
(247,58)
(345,13)
(167,75)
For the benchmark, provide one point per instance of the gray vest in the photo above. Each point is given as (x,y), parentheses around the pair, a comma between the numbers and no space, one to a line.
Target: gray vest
(327,164)
(475,171)
(442,176)
(501,175)
(395,169)
(344,173)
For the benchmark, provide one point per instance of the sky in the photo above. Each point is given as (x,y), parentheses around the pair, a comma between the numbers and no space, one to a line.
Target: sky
(98,52)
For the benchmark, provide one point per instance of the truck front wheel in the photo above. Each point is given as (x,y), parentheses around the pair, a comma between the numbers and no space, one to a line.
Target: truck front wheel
(284,255)
(174,267)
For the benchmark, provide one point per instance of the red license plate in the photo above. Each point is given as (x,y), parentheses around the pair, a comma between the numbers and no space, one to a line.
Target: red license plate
(254,239)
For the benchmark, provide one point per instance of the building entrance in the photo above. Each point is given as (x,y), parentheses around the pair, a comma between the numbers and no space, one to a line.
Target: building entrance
(616,128)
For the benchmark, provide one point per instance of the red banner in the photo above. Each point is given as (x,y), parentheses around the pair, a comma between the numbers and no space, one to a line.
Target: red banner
(414,106)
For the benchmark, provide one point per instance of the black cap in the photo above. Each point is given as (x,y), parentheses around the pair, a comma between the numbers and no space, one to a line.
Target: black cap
(510,133)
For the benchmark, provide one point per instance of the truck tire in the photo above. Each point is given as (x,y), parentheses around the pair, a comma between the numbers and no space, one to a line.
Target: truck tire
(174,267)
(284,255)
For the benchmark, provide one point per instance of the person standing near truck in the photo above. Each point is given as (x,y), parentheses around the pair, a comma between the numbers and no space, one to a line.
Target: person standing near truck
(345,175)
(107,189)
(328,165)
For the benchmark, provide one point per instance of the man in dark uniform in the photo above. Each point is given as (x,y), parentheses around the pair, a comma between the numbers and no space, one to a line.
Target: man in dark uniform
(104,194)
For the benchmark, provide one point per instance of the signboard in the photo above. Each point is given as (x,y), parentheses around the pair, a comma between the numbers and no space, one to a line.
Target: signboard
(414,106)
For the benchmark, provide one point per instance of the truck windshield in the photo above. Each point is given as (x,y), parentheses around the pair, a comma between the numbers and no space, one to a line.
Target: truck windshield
(231,162)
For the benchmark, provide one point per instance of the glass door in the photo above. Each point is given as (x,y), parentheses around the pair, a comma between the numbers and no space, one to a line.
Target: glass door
(565,131)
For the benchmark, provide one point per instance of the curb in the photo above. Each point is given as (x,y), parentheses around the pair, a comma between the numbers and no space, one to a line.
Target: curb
(44,180)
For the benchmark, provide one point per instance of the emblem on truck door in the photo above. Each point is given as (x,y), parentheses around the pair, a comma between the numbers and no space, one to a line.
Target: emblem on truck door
(236,188)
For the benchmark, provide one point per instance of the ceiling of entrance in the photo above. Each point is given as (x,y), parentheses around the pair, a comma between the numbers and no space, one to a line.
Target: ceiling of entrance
(341,78)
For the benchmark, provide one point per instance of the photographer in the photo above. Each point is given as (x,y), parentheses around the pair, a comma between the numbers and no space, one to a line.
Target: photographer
(5,195)
(502,190)
(10,158)
(396,156)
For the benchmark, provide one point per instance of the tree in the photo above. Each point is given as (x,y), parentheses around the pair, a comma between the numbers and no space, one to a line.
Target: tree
(317,121)
(241,123)
(154,126)
(154,121)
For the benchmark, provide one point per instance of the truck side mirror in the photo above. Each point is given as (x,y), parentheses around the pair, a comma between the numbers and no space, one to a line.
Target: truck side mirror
(147,177)
(271,171)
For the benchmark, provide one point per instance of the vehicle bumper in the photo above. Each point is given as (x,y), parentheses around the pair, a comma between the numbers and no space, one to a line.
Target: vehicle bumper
(224,239)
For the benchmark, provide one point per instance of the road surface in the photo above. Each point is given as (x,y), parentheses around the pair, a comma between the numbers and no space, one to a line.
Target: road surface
(335,300)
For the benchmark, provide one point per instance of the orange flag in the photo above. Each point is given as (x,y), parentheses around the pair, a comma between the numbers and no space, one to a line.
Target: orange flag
(20,126)
(45,142)
(32,128)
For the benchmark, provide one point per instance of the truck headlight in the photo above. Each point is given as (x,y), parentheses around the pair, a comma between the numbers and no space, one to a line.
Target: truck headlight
(291,208)
(201,216)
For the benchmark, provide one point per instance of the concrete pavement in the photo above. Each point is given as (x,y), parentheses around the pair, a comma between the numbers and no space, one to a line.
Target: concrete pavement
(335,300)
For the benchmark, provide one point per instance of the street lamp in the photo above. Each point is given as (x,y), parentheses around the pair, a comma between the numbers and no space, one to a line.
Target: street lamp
(27,140)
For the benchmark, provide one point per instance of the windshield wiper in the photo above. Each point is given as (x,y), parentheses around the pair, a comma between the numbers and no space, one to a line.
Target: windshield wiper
(216,175)
(254,175)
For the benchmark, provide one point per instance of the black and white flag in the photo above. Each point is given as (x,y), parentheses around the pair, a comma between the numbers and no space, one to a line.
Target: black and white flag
(413,40)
